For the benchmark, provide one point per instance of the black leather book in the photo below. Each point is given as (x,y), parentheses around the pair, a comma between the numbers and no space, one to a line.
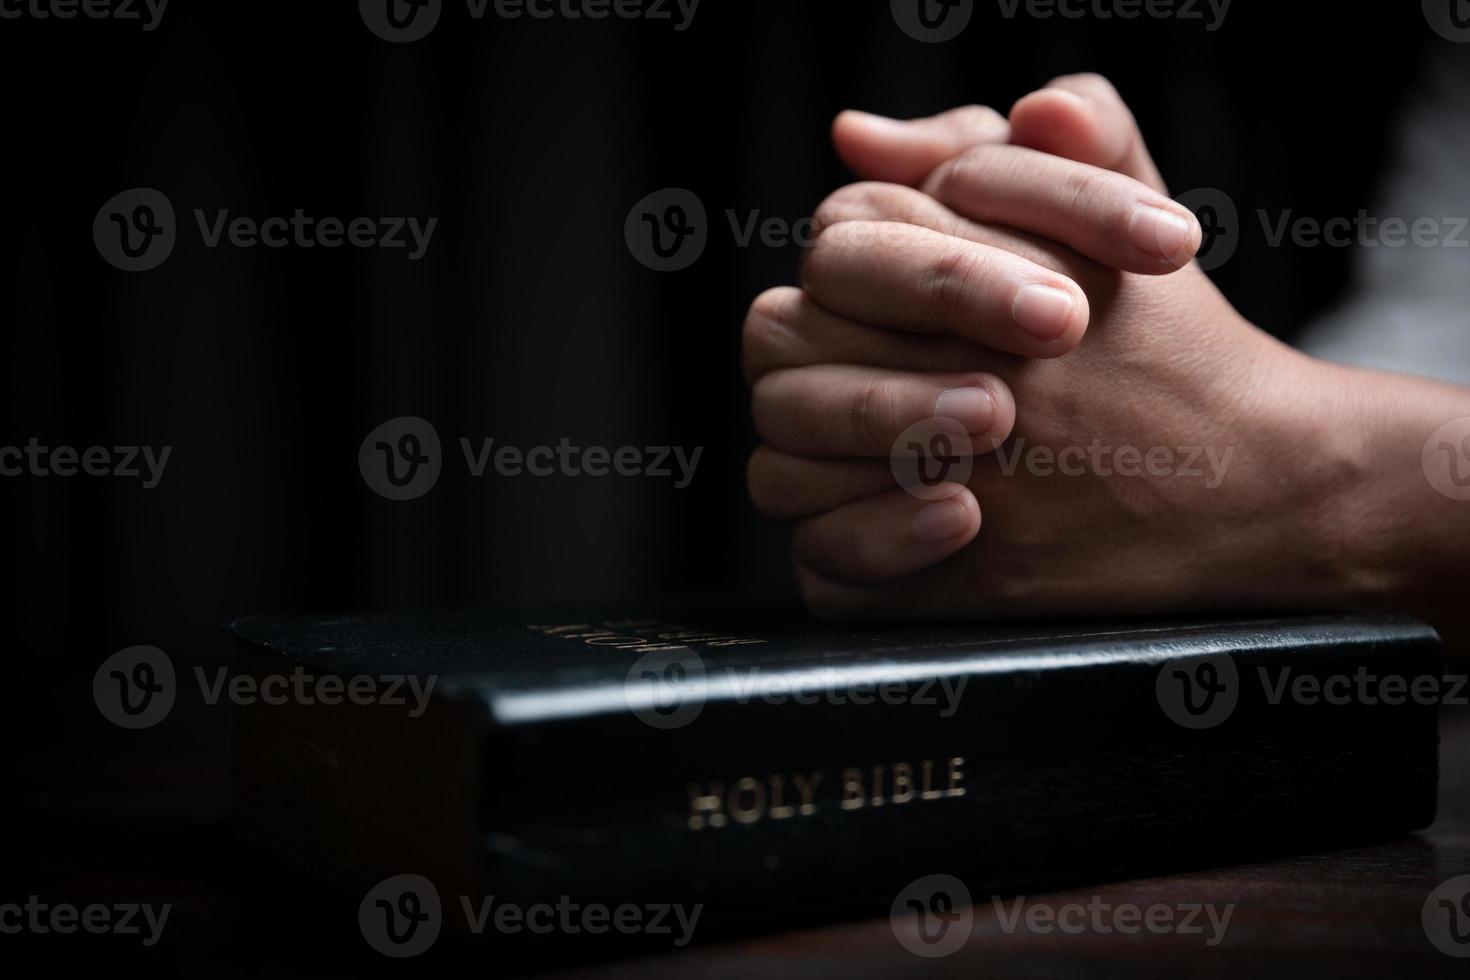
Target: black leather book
(769,768)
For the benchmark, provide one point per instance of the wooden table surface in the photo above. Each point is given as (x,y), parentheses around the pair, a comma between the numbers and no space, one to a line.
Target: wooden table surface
(1346,913)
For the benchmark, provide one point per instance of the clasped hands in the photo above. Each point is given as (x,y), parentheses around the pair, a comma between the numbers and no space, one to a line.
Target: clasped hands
(1027,284)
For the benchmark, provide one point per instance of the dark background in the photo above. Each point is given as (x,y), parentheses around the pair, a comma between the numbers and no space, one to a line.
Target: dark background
(528,320)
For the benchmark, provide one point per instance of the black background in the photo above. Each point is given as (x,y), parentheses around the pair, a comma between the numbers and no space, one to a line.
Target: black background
(528,320)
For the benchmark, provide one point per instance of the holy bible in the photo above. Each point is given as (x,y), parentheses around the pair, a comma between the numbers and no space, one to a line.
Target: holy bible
(767,768)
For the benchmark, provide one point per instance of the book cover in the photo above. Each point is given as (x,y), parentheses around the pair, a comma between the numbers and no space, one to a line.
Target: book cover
(766,768)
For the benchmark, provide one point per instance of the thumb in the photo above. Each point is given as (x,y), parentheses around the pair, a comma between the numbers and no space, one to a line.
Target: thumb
(1083,118)
(905,151)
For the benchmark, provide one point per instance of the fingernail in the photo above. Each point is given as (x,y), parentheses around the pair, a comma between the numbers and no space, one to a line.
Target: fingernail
(1164,234)
(1045,312)
(941,520)
(971,407)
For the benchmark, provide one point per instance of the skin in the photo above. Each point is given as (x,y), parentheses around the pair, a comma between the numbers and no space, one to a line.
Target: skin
(1307,489)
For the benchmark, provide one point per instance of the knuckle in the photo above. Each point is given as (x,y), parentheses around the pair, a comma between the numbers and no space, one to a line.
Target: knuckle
(865,201)
(766,332)
(861,561)
(824,249)
(775,303)
(949,176)
(979,115)
(844,204)
(1084,189)
(967,175)
(954,280)
(834,251)
(833,210)
(974,161)
(873,412)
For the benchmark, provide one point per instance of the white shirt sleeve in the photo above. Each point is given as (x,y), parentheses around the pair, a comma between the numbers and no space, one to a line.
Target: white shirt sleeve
(1408,308)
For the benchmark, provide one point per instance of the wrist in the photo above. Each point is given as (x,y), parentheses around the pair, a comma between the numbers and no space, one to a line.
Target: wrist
(1388,536)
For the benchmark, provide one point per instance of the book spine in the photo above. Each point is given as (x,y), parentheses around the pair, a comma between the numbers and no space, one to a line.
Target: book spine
(1078,766)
